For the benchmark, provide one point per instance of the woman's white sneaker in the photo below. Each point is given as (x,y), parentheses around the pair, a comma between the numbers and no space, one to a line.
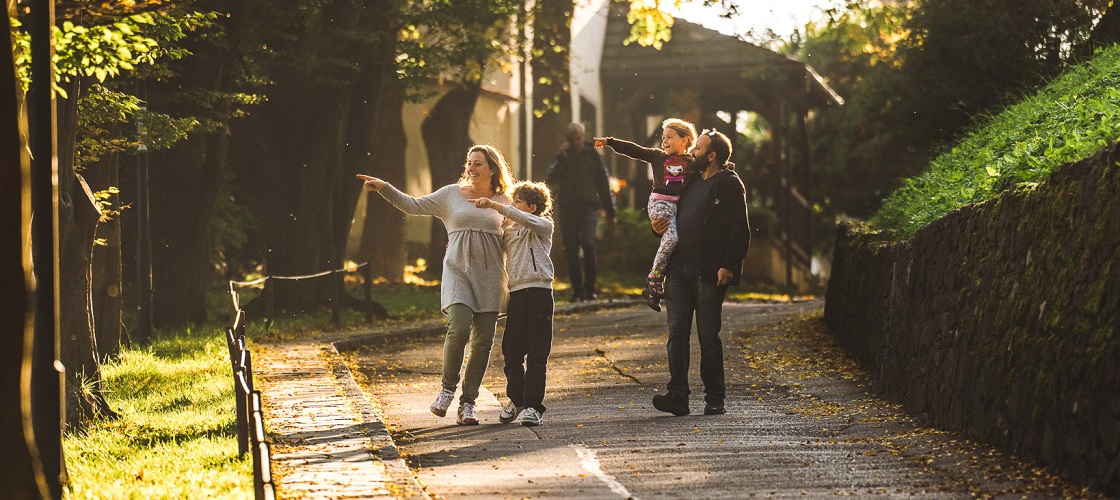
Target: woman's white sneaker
(466,414)
(442,402)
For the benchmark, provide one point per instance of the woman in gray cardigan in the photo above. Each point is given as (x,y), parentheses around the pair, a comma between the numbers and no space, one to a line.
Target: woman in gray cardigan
(474,275)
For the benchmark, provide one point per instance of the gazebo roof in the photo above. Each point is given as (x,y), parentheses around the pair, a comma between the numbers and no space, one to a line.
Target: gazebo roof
(725,72)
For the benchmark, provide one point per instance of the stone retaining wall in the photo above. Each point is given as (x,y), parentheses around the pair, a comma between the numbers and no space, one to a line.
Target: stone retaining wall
(1001,319)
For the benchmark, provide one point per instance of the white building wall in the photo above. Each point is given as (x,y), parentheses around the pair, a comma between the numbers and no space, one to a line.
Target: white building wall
(589,28)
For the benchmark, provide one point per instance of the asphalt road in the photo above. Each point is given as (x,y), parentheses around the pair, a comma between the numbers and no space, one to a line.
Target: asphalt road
(800,421)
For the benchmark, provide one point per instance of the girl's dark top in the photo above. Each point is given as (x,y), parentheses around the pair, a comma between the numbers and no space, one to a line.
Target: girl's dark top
(671,173)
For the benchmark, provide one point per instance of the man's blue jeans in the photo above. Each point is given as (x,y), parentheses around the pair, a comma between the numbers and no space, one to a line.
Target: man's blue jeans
(686,296)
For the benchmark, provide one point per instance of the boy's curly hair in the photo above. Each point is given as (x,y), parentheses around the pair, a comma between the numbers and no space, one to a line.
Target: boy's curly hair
(534,193)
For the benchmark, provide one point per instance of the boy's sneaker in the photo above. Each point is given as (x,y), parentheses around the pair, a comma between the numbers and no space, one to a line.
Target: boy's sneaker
(653,302)
(442,402)
(466,414)
(509,412)
(673,402)
(530,417)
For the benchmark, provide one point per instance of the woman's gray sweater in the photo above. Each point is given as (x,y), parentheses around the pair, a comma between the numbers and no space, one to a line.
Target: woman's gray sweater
(474,272)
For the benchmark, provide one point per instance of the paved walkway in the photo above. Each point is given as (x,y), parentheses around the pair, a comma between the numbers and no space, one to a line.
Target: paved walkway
(328,440)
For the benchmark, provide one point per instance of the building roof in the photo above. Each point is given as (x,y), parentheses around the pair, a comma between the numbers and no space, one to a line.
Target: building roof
(726,72)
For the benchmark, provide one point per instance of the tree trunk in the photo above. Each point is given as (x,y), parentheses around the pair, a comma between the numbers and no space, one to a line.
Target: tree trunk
(16,455)
(383,227)
(107,269)
(77,223)
(446,133)
(552,104)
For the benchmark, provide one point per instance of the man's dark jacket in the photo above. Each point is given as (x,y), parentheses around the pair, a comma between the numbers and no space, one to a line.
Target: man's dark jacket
(726,233)
(580,180)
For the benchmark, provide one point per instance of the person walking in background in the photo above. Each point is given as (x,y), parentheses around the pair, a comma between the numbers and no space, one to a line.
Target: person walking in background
(527,341)
(672,170)
(579,179)
(714,237)
(474,276)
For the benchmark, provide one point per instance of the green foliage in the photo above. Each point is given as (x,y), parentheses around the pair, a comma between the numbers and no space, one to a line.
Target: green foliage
(104,51)
(632,245)
(1070,119)
(860,152)
(105,125)
(175,437)
(454,39)
(916,74)
(966,58)
(649,25)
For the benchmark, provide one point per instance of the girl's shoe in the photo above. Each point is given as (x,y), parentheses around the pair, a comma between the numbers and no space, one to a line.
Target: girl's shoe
(653,302)
(655,283)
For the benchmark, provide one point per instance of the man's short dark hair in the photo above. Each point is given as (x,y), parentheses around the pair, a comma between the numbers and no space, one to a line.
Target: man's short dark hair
(720,144)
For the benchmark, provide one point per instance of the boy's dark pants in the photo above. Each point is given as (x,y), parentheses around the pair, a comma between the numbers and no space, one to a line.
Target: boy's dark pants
(526,345)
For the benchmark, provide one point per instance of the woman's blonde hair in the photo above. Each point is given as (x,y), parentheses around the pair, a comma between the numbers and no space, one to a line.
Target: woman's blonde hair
(683,129)
(534,193)
(500,179)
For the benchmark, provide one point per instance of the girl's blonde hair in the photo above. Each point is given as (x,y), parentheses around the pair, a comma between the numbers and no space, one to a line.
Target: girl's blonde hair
(534,193)
(500,179)
(683,129)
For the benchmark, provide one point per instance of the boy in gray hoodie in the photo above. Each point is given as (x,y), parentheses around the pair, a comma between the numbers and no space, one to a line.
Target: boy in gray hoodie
(527,341)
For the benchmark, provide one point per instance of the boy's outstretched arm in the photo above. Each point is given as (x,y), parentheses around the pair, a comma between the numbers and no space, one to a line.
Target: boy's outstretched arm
(486,203)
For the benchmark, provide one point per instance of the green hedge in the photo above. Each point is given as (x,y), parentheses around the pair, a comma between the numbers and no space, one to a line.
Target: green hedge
(1075,116)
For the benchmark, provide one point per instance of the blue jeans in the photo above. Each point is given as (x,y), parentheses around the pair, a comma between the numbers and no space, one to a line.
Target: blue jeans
(577,228)
(686,296)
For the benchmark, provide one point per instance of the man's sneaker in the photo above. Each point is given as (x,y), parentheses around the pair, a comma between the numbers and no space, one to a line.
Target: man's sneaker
(466,414)
(442,402)
(530,417)
(673,402)
(509,412)
(714,408)
(652,301)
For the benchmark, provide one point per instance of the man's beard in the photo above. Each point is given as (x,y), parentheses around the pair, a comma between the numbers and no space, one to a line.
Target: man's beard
(700,163)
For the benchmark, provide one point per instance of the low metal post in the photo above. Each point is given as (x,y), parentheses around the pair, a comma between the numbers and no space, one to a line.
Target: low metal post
(367,289)
(336,297)
(269,305)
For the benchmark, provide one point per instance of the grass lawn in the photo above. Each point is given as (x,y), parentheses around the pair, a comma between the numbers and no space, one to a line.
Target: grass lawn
(175,437)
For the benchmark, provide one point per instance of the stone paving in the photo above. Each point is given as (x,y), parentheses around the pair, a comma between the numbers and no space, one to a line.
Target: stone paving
(328,440)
